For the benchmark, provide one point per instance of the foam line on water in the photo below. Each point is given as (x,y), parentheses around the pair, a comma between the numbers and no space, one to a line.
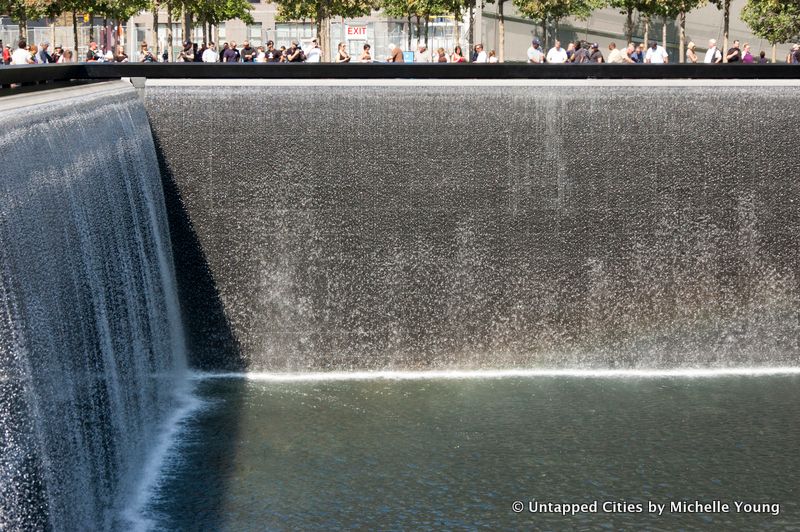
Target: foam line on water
(507,373)
(152,473)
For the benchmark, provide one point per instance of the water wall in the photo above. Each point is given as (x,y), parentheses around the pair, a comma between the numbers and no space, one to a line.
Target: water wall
(91,347)
(402,224)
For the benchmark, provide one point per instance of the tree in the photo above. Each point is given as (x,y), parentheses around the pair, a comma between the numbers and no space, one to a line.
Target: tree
(117,11)
(678,9)
(321,12)
(547,11)
(725,5)
(402,9)
(21,11)
(777,21)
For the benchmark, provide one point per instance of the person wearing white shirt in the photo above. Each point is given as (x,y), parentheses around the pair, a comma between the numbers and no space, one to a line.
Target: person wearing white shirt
(713,55)
(422,55)
(481,54)
(314,54)
(557,54)
(535,55)
(656,54)
(21,55)
(210,54)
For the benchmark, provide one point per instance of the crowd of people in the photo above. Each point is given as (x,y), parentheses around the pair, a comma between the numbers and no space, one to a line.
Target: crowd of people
(576,52)
(583,52)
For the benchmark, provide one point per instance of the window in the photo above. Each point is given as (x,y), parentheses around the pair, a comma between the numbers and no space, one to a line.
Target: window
(254,34)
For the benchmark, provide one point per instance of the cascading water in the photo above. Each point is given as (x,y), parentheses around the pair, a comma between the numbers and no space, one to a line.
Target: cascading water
(404,225)
(91,343)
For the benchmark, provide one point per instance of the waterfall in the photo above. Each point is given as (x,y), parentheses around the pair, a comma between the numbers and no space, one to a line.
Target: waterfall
(91,342)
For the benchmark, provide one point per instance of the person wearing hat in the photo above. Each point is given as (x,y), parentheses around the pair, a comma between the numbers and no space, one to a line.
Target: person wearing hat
(58,52)
(656,54)
(595,55)
(187,54)
(295,53)
(535,54)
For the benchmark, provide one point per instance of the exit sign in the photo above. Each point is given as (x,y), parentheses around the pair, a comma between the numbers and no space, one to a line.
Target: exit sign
(356,32)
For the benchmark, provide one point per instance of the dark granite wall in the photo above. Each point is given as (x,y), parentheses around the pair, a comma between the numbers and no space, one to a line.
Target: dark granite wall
(418,227)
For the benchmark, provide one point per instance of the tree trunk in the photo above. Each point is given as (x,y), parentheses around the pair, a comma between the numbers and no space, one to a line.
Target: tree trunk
(91,27)
(544,33)
(325,43)
(471,32)
(419,29)
(664,33)
(427,25)
(53,31)
(187,25)
(647,31)
(105,34)
(682,38)
(456,36)
(154,43)
(501,32)
(725,26)
(205,33)
(75,43)
(409,30)
(628,25)
(169,32)
(774,53)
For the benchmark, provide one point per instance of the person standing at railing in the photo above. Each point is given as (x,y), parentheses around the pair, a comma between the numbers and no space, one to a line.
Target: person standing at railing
(395,54)
(366,54)
(187,54)
(457,56)
(145,55)
(656,54)
(210,55)
(713,55)
(480,54)
(248,53)
(93,54)
(314,54)
(21,55)
(119,54)
(557,55)
(57,53)
(273,54)
(43,57)
(747,56)
(691,55)
(341,54)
